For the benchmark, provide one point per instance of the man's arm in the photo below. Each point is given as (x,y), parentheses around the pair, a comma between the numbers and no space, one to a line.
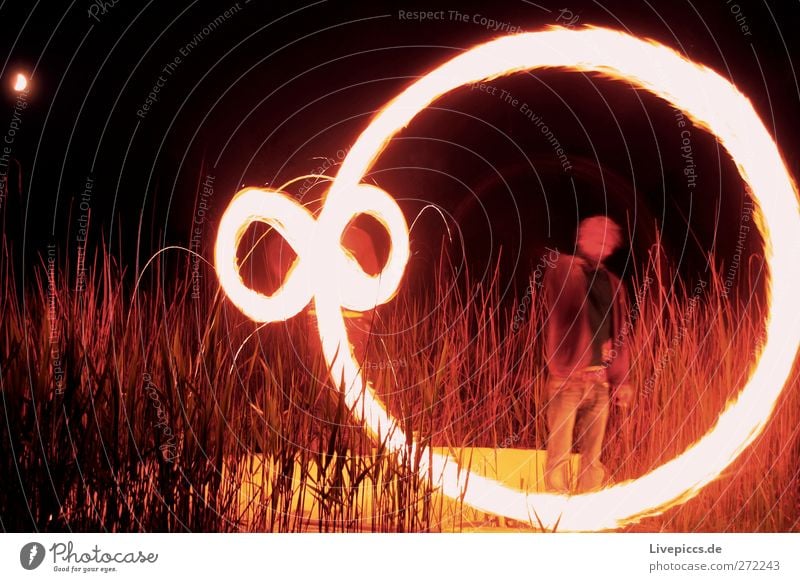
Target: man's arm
(564,333)
(623,390)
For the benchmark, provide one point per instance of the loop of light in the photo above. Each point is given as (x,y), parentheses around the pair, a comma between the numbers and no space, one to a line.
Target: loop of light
(326,273)
(320,262)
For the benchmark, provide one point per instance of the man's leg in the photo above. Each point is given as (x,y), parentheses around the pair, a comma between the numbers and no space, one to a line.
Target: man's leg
(564,397)
(591,432)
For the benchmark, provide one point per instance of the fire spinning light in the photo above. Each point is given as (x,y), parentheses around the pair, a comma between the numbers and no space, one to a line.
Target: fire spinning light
(327,274)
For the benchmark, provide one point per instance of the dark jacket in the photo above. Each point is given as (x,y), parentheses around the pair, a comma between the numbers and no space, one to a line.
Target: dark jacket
(568,336)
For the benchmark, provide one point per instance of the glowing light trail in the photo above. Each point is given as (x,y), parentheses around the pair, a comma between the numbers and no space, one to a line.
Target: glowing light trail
(320,262)
(327,274)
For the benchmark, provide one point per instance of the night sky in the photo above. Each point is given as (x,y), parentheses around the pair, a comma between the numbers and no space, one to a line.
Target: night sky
(134,107)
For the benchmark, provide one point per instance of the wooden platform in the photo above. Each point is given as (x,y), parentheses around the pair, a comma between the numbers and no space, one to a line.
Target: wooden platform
(522,469)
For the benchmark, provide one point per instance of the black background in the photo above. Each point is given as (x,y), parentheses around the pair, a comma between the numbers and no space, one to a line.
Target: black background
(278,87)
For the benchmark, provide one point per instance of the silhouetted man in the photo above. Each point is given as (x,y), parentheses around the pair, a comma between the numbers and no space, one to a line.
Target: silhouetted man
(586,353)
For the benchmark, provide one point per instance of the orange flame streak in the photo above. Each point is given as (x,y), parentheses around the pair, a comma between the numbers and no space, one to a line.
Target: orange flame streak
(326,274)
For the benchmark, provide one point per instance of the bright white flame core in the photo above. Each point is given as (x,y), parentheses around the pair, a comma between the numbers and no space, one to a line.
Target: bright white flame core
(320,261)
(708,99)
(20,82)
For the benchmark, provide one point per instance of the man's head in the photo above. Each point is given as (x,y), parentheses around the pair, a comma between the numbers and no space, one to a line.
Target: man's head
(598,237)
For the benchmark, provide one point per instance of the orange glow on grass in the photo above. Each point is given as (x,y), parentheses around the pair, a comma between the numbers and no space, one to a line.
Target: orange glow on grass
(326,274)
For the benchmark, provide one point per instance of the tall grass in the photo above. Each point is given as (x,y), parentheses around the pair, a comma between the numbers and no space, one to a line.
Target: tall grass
(174,409)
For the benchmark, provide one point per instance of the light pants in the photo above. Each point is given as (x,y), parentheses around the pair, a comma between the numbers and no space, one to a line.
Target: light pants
(579,402)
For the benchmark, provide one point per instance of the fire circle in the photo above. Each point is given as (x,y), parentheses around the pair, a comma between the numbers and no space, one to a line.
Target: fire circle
(325,274)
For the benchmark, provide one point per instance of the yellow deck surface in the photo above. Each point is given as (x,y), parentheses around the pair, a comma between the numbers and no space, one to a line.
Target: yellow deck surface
(522,469)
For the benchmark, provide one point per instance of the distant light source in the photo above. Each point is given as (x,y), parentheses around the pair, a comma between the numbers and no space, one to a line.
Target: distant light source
(21,82)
